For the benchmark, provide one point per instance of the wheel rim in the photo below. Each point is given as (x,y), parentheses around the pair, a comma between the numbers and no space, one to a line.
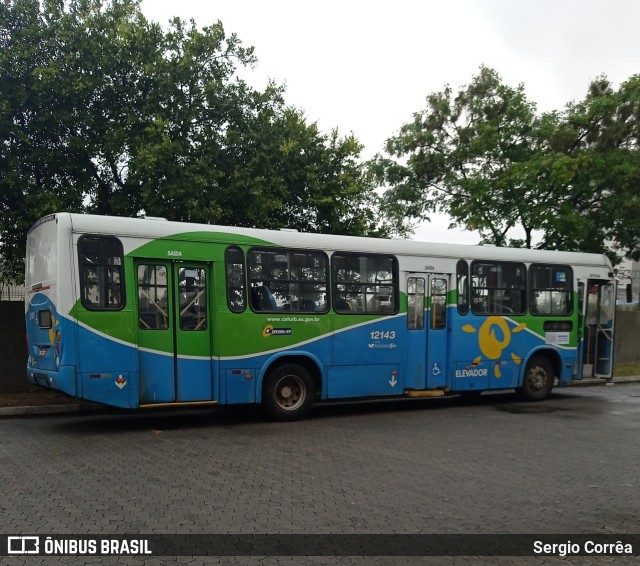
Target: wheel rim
(537,378)
(291,392)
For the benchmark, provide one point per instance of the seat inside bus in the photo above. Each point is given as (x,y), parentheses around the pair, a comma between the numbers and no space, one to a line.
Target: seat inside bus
(262,299)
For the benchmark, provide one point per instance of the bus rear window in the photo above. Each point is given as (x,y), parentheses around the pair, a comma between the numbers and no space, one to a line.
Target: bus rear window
(101,261)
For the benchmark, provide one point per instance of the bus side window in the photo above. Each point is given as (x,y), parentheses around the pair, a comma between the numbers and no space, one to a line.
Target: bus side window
(551,289)
(364,283)
(498,287)
(462,277)
(288,280)
(234,264)
(101,260)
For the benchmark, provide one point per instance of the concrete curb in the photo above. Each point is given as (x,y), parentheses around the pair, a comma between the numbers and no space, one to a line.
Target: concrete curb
(35,410)
(38,410)
(598,381)
(77,408)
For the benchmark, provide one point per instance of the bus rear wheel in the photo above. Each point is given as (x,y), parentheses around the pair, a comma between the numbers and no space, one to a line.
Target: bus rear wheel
(287,393)
(538,379)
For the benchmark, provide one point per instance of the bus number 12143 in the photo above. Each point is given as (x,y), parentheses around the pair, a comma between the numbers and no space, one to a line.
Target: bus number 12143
(383,335)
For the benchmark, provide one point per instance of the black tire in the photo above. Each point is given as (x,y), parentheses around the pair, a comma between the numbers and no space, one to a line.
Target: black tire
(538,379)
(287,393)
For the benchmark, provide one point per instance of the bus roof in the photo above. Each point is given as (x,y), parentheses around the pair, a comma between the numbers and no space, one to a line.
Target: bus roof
(160,228)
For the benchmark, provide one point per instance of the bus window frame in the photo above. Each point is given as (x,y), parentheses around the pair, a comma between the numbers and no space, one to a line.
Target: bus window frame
(462,277)
(491,290)
(82,266)
(243,290)
(394,284)
(288,251)
(567,290)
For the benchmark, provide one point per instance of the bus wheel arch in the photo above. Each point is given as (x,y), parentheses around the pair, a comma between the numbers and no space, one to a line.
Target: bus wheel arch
(539,375)
(289,386)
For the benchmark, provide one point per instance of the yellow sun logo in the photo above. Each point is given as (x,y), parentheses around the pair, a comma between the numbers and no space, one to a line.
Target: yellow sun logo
(493,337)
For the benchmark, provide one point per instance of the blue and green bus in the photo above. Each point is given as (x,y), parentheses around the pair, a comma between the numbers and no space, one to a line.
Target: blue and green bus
(140,313)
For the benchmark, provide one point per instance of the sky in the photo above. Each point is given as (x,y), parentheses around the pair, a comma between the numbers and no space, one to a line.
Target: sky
(364,67)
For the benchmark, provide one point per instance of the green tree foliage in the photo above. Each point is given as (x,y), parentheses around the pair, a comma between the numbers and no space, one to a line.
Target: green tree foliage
(105,112)
(488,160)
(594,161)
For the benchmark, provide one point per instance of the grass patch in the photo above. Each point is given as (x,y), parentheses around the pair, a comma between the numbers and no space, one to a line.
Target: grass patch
(623,370)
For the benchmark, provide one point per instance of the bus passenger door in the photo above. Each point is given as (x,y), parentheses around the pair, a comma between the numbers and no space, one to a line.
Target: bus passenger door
(416,349)
(437,331)
(174,331)
(604,334)
(193,332)
(427,334)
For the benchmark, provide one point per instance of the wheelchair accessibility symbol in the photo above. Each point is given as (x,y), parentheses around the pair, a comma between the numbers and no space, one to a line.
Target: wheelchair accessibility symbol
(436,369)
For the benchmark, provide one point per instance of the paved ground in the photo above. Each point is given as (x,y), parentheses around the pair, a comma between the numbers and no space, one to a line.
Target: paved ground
(42,400)
(489,465)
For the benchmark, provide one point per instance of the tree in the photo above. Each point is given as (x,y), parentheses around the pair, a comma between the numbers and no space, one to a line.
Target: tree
(33,142)
(484,157)
(464,156)
(594,161)
(103,111)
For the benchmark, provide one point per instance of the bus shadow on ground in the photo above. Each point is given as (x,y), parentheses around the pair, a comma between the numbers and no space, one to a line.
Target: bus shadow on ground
(115,421)
(122,421)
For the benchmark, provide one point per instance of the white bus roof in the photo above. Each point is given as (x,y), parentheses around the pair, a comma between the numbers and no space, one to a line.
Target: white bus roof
(157,228)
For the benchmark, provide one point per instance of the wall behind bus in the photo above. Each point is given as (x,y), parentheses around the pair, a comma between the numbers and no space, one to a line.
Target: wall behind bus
(13,348)
(627,337)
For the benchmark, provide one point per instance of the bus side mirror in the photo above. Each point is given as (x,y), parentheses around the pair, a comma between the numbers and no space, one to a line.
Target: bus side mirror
(629,293)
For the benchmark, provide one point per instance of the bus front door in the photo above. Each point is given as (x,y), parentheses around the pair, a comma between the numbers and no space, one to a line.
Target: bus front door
(599,308)
(427,335)
(174,331)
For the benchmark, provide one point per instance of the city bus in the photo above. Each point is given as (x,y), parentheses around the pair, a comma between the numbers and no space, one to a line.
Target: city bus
(142,312)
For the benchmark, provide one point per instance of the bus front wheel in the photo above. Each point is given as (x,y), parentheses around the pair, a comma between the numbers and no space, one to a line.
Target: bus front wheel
(287,393)
(538,379)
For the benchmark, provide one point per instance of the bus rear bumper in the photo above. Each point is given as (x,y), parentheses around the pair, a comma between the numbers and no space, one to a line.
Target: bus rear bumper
(64,379)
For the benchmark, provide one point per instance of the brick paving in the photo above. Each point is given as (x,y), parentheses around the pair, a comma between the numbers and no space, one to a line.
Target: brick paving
(488,465)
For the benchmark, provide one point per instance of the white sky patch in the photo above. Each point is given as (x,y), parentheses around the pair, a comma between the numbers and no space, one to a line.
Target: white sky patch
(366,67)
